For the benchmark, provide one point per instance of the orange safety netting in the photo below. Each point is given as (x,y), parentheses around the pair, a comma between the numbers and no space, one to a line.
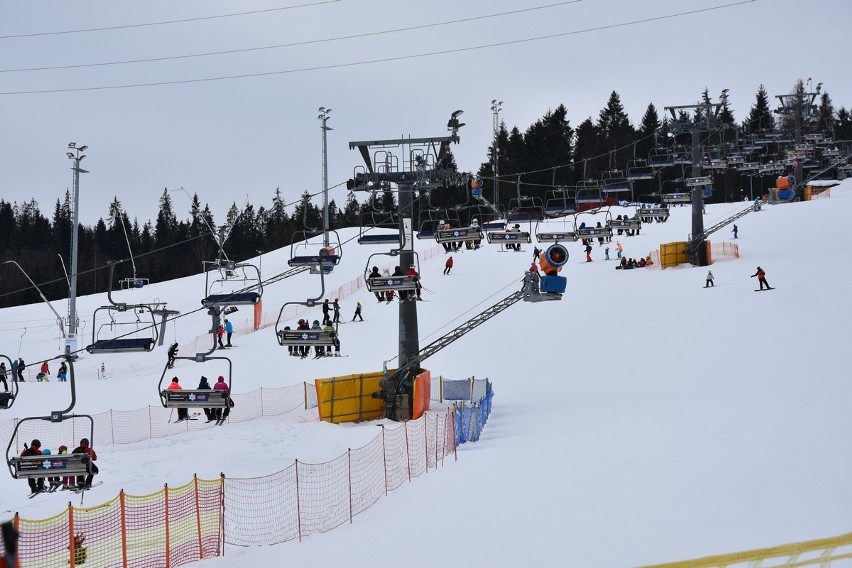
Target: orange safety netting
(171,527)
(179,525)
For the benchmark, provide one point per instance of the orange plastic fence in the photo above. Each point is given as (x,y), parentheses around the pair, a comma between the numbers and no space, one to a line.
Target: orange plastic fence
(179,525)
(172,527)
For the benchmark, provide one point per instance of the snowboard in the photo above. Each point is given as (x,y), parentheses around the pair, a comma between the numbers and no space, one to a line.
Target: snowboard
(765,290)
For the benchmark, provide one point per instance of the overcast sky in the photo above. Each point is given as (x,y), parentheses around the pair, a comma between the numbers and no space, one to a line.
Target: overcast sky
(235,139)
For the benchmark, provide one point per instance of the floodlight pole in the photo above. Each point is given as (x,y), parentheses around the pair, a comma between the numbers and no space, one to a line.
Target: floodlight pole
(323,117)
(496,107)
(76,156)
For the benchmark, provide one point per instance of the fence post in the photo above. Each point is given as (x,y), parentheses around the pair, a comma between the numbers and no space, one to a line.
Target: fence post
(426,439)
(168,535)
(349,466)
(385,459)
(298,503)
(72,556)
(123,509)
(198,517)
(407,451)
(222,514)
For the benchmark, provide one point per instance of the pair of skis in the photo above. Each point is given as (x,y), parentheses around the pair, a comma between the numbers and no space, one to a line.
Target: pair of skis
(219,422)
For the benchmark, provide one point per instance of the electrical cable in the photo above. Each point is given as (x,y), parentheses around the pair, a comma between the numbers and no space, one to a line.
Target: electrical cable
(374,61)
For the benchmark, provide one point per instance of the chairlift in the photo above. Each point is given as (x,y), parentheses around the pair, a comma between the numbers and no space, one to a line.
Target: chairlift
(53,465)
(129,342)
(559,202)
(396,283)
(195,398)
(225,272)
(545,234)
(370,233)
(601,230)
(639,170)
(304,338)
(661,158)
(627,226)
(525,208)
(7,399)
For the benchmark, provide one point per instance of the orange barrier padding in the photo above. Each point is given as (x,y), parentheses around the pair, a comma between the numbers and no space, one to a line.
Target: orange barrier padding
(258,314)
(422,394)
(349,398)
(782,182)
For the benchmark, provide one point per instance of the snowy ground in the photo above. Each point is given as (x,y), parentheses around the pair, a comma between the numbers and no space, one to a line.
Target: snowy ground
(641,419)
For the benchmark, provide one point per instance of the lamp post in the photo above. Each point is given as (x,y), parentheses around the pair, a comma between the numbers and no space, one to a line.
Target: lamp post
(323,117)
(496,107)
(76,155)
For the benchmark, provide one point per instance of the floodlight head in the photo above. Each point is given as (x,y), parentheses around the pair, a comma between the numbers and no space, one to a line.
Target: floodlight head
(72,144)
(322,109)
(70,155)
(83,148)
(457,113)
(493,101)
(81,157)
(819,87)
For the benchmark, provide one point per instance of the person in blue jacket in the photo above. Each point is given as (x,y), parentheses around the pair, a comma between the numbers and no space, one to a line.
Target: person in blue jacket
(229,330)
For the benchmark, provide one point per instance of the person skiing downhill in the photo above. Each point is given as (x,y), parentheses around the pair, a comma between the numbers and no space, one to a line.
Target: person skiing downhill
(357,311)
(448,265)
(709,281)
(761,276)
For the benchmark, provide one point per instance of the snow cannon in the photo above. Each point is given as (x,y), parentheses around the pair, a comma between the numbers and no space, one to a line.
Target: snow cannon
(552,259)
(551,262)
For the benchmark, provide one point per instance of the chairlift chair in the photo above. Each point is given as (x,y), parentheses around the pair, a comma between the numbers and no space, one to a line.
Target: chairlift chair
(326,258)
(246,295)
(395,283)
(525,208)
(639,170)
(604,231)
(129,342)
(544,233)
(53,465)
(195,398)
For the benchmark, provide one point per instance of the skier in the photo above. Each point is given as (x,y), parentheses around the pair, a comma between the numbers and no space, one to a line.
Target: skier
(618,248)
(14,369)
(374,273)
(303,349)
(221,385)
(357,311)
(318,349)
(173,351)
(84,448)
(229,330)
(183,413)
(412,271)
(448,265)
(62,374)
(34,449)
(67,480)
(709,281)
(336,306)
(606,253)
(326,308)
(3,376)
(735,230)
(536,252)
(220,333)
(761,276)
(588,253)
(21,367)
(204,385)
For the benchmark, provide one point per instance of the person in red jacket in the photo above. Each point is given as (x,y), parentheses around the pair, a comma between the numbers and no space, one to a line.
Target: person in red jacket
(220,332)
(412,271)
(84,448)
(183,413)
(448,265)
(34,449)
